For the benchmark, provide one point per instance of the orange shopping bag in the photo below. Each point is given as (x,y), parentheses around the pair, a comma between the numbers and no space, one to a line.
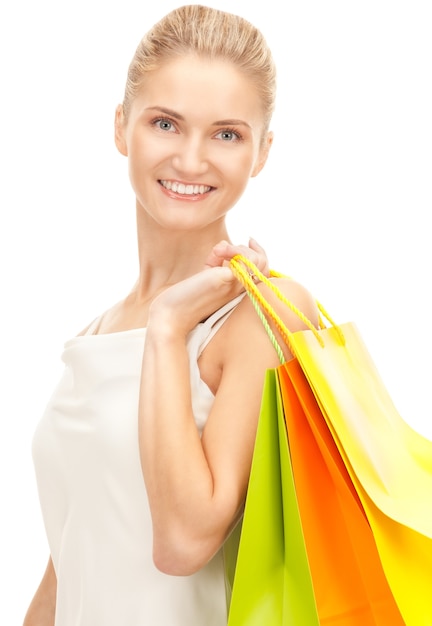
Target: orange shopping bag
(349,583)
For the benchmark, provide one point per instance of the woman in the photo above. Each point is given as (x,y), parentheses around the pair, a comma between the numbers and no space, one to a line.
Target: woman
(143,454)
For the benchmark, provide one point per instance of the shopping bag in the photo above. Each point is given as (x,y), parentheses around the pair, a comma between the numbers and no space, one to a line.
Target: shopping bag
(349,582)
(387,462)
(272,584)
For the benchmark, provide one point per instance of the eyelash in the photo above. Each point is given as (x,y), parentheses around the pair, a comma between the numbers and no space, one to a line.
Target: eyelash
(238,136)
(157,120)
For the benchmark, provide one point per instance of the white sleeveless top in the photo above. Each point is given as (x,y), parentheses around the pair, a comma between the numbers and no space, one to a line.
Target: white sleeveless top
(93,497)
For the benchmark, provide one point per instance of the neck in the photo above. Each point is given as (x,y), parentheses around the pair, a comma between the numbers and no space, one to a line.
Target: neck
(167,257)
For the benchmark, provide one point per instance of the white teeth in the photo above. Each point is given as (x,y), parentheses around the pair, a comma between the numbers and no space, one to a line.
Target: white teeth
(188,190)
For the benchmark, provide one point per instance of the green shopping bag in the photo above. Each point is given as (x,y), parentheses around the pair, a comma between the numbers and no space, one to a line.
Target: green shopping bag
(272,585)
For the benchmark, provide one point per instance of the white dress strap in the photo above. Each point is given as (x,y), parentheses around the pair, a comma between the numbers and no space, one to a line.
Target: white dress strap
(215,321)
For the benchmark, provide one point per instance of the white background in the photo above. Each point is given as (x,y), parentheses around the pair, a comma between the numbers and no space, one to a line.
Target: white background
(343,204)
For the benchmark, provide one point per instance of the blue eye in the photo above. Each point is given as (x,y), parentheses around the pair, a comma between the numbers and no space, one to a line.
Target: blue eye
(164,124)
(229,135)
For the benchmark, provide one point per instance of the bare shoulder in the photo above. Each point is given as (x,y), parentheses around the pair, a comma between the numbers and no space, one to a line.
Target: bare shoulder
(85,330)
(244,336)
(91,328)
(109,321)
(291,301)
(295,294)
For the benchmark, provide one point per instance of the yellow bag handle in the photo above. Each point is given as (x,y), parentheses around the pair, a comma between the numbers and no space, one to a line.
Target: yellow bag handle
(240,265)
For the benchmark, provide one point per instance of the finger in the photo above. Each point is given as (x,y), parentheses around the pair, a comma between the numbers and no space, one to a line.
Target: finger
(224,251)
(217,255)
(261,260)
(254,245)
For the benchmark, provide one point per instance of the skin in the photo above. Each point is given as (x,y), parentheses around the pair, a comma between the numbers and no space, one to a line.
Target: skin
(41,611)
(194,122)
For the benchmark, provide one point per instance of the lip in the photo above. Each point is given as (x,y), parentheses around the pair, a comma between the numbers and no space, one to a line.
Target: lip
(202,192)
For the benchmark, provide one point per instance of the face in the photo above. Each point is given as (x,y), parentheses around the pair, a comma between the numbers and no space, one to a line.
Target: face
(193,138)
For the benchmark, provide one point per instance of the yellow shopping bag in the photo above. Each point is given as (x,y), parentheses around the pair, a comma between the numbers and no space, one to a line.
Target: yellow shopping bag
(385,458)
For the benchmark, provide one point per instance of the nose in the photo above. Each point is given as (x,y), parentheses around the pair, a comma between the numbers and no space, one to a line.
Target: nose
(191,158)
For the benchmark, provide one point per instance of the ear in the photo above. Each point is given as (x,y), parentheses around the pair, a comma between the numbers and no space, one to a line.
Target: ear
(263,154)
(119,131)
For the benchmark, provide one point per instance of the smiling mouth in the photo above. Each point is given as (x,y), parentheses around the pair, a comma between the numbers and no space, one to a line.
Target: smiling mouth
(187,190)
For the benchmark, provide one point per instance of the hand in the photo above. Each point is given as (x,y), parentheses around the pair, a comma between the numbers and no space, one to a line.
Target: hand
(179,308)
(223,252)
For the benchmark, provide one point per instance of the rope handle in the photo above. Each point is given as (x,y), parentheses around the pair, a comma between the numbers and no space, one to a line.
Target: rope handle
(240,265)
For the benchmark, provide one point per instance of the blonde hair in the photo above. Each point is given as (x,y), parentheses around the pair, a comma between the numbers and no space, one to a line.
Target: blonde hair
(208,32)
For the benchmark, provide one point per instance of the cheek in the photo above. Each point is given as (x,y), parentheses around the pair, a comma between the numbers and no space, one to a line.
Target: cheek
(234,162)
(240,168)
(138,149)
(143,155)
(238,173)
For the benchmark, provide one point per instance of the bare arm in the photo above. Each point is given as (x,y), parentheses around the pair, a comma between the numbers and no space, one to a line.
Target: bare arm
(196,486)
(41,611)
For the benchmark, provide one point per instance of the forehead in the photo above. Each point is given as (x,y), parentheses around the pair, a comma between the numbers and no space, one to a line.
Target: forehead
(202,87)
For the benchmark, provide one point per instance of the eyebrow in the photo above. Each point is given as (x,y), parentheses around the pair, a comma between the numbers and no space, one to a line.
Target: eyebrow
(178,116)
(231,122)
(169,112)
